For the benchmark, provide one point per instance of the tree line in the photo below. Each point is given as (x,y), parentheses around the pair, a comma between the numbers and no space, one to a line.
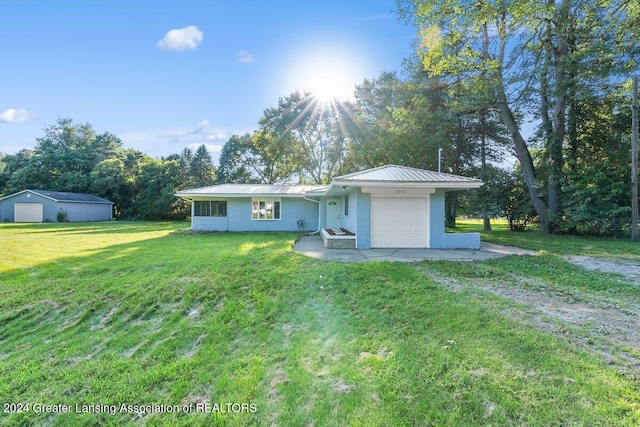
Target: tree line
(72,157)
(518,93)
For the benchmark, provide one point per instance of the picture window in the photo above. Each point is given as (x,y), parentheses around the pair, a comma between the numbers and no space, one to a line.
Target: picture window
(265,209)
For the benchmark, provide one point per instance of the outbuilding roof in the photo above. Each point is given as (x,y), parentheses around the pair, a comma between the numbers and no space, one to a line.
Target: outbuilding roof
(62,196)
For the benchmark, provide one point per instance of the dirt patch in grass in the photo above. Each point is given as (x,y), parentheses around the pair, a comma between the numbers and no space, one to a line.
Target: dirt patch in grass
(198,399)
(194,349)
(131,351)
(382,354)
(605,329)
(194,313)
(279,377)
(342,388)
(103,321)
(610,332)
(626,267)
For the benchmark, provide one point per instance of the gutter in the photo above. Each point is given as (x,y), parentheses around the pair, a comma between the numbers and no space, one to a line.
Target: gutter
(304,196)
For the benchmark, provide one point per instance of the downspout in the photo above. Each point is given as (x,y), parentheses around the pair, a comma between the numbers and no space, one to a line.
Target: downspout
(304,196)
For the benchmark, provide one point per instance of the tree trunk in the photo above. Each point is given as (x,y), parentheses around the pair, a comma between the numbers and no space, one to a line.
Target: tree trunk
(554,144)
(520,145)
(549,136)
(483,161)
(523,155)
(486,222)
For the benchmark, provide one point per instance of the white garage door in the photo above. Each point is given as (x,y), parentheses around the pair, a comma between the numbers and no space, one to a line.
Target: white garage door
(399,222)
(28,212)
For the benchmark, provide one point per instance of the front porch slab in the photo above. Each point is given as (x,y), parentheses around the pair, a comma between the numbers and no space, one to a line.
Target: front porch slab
(313,247)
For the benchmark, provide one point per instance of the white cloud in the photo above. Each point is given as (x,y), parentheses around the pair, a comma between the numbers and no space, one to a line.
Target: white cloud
(164,142)
(202,133)
(186,38)
(245,57)
(16,116)
(204,123)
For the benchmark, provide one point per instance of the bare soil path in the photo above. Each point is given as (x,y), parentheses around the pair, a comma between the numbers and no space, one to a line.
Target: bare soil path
(625,267)
(606,329)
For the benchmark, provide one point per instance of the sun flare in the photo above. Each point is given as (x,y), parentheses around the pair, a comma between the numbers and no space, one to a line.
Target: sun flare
(328,75)
(330,83)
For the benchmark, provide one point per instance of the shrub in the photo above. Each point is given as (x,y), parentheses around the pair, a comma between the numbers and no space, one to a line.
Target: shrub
(63,216)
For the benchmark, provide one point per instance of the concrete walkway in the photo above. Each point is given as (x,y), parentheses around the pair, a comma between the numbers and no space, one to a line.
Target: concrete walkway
(312,246)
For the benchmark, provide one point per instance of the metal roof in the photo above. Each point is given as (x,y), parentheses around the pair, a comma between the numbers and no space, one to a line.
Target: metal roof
(403,174)
(389,175)
(239,190)
(61,196)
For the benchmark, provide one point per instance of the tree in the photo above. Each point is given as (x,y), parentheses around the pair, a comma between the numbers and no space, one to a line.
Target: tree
(381,123)
(72,157)
(10,165)
(464,41)
(108,180)
(202,173)
(312,132)
(597,173)
(273,158)
(64,158)
(263,157)
(233,161)
(486,137)
(184,160)
(4,174)
(494,198)
(155,189)
(536,58)
(408,121)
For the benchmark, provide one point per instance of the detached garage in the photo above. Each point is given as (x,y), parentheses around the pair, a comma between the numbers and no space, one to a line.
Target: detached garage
(44,206)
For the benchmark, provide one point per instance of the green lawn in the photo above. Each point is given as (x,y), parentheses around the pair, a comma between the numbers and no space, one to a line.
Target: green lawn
(609,247)
(237,329)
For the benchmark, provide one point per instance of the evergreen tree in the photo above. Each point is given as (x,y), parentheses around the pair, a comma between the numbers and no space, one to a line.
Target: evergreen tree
(201,170)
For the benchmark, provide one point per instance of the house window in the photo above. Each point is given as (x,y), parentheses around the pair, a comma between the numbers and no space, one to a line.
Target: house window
(210,208)
(265,209)
(346,205)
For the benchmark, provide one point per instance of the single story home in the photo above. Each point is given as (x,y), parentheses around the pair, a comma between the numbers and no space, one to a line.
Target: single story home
(44,206)
(385,207)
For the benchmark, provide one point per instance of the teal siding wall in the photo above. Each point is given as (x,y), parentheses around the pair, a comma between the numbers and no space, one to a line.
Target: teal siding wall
(436,220)
(363,218)
(439,239)
(209,223)
(239,217)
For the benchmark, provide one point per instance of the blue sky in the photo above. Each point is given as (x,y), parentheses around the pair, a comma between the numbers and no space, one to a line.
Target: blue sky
(163,75)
